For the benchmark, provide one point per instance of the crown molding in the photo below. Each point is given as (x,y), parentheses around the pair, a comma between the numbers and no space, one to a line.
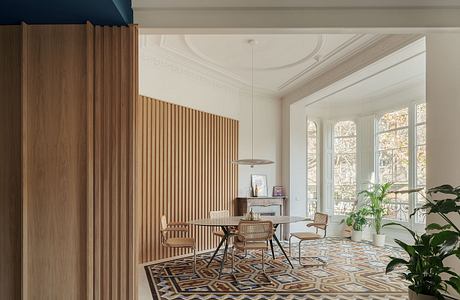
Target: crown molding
(305,76)
(151,60)
(358,65)
(211,70)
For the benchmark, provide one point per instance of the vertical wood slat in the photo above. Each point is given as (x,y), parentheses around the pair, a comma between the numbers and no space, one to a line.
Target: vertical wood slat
(76,162)
(115,105)
(185,170)
(10,162)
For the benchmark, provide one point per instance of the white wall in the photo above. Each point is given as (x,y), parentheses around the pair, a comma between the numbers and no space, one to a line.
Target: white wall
(164,80)
(443,111)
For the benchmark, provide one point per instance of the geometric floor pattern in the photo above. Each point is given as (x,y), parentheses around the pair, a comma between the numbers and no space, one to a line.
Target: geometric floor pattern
(353,271)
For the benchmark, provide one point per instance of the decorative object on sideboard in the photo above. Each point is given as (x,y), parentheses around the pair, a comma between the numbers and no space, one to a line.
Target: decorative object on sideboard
(259,185)
(252,161)
(278,191)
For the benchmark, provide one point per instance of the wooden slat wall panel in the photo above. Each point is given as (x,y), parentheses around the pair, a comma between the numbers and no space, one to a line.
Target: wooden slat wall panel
(115,52)
(10,162)
(55,161)
(185,170)
(67,187)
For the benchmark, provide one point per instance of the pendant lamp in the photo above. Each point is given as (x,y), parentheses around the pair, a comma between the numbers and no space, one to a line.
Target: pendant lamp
(252,161)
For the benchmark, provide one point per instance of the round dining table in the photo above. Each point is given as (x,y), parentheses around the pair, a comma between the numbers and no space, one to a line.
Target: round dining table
(225,223)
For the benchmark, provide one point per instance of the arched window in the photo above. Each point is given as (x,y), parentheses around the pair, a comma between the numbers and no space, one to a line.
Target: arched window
(312,167)
(344,167)
(393,159)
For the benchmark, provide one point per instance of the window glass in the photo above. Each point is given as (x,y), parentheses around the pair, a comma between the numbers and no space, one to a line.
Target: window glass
(393,159)
(312,167)
(344,167)
(420,152)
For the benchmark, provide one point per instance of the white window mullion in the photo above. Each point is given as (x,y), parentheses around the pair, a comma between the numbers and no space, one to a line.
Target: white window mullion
(412,159)
(327,163)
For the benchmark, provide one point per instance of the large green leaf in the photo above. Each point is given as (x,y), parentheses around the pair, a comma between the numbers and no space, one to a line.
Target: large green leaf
(445,189)
(395,261)
(414,235)
(408,248)
(454,282)
(446,237)
(435,226)
(443,206)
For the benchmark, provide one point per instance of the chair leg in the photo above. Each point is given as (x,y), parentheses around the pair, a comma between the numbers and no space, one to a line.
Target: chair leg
(233,259)
(184,275)
(194,261)
(263,263)
(321,264)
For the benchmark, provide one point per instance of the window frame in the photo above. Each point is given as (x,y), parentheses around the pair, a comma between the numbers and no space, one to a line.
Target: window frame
(333,137)
(412,154)
(319,153)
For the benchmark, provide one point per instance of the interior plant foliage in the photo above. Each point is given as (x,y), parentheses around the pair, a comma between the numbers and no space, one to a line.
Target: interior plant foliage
(377,199)
(425,268)
(357,219)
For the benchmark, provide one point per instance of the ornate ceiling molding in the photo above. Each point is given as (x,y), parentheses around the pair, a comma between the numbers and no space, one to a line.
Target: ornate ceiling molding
(229,75)
(210,61)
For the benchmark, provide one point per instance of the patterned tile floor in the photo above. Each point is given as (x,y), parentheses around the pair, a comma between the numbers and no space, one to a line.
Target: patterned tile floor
(353,271)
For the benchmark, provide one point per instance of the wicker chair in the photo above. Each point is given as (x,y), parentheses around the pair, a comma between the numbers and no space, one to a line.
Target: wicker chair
(253,235)
(177,242)
(319,222)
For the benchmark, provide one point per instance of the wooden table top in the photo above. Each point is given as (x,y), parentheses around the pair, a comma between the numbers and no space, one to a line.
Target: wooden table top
(233,221)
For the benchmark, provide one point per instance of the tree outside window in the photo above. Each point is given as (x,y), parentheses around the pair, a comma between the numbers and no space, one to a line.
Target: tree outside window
(402,159)
(393,159)
(344,176)
(312,168)
(420,152)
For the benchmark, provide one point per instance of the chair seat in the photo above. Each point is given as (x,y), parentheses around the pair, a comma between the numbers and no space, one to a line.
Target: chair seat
(251,245)
(306,235)
(180,242)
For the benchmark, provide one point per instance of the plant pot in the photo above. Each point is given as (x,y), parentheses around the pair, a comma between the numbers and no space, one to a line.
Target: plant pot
(356,236)
(414,296)
(378,240)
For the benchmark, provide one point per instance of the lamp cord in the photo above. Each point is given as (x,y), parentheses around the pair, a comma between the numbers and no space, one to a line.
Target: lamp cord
(252,101)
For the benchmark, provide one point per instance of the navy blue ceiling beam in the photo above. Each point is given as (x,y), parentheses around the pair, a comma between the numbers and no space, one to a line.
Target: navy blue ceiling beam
(98,12)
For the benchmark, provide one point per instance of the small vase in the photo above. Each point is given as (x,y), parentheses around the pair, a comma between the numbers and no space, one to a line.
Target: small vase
(378,240)
(356,236)
(414,296)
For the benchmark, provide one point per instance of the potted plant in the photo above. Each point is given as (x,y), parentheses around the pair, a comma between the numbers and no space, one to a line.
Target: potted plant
(357,220)
(425,268)
(376,199)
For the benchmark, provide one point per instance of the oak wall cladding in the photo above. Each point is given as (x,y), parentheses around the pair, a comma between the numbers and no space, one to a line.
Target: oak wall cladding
(185,170)
(113,224)
(10,163)
(68,96)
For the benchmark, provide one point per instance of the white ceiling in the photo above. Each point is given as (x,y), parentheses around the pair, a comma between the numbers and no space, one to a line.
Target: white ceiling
(291,3)
(282,62)
(396,79)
